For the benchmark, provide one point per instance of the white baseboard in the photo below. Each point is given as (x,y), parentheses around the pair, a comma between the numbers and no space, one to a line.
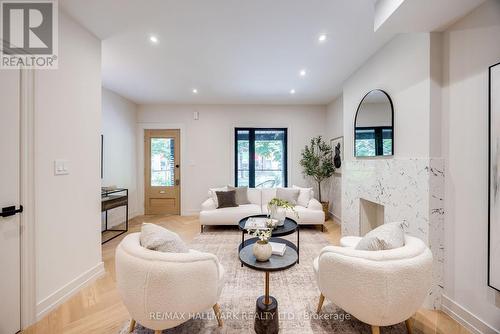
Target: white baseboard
(465,317)
(67,291)
(337,218)
(190,212)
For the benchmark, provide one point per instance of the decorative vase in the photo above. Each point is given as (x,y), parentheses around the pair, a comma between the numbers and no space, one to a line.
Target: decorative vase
(278,213)
(262,250)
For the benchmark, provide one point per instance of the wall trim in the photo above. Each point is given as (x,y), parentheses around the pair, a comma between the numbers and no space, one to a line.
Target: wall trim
(140,160)
(61,295)
(465,317)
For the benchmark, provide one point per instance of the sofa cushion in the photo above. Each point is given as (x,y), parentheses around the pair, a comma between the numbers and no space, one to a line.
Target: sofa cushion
(384,237)
(305,195)
(226,199)
(306,215)
(160,239)
(254,196)
(267,195)
(229,216)
(211,193)
(288,194)
(241,194)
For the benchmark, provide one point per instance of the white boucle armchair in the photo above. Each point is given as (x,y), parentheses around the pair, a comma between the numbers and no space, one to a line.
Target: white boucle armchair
(162,290)
(380,288)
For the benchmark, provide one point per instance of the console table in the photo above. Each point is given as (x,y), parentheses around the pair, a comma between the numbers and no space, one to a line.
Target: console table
(112,199)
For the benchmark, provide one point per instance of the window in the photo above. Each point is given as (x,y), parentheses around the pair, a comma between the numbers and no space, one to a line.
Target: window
(373,141)
(260,157)
(162,162)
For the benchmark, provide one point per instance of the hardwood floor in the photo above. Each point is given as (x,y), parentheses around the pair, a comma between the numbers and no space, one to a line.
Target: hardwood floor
(97,308)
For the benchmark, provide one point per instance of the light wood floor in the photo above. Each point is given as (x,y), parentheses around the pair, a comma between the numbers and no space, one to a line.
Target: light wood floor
(98,308)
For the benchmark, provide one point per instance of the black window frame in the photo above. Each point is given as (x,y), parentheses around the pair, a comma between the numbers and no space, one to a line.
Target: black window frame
(251,152)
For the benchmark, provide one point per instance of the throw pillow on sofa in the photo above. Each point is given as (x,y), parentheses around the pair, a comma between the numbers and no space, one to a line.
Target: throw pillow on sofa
(160,239)
(305,195)
(288,194)
(226,199)
(241,194)
(213,195)
(384,237)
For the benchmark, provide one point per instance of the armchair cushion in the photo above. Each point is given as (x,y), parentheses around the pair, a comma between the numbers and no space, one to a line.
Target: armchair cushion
(386,236)
(160,239)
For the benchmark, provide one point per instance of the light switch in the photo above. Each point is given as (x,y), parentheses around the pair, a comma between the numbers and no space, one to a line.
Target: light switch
(61,167)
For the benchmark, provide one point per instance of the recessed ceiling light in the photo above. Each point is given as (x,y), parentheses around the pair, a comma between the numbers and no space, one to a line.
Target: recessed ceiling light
(153,39)
(302,73)
(322,38)
(292,91)
(195,91)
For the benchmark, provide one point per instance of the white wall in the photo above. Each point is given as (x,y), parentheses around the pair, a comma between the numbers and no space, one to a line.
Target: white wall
(119,123)
(334,128)
(208,143)
(67,126)
(401,68)
(470,47)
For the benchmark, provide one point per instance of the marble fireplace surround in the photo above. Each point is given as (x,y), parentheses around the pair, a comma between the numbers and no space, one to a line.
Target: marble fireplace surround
(411,191)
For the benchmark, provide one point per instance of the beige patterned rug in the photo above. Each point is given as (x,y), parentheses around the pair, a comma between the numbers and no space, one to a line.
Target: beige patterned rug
(295,289)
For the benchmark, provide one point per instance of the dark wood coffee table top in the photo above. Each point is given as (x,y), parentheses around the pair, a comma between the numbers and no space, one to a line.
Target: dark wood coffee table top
(275,263)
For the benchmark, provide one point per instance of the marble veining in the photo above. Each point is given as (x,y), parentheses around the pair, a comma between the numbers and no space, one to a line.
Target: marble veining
(412,192)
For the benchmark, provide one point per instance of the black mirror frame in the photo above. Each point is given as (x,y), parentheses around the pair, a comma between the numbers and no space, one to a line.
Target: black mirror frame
(392,122)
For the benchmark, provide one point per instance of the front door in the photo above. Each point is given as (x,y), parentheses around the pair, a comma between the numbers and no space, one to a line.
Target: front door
(10,278)
(162,172)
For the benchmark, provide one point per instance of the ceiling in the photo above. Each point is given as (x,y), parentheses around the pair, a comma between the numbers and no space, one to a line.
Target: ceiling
(230,51)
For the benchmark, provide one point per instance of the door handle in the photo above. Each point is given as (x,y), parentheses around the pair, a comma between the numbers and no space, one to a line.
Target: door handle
(10,211)
(177,182)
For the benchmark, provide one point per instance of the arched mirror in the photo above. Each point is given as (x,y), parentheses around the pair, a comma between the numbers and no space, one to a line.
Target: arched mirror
(373,125)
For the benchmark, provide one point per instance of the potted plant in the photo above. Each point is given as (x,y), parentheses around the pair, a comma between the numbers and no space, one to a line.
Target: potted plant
(277,210)
(317,163)
(262,249)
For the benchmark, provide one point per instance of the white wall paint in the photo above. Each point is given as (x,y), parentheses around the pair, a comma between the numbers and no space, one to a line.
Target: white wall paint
(334,128)
(401,68)
(67,126)
(470,47)
(209,142)
(119,122)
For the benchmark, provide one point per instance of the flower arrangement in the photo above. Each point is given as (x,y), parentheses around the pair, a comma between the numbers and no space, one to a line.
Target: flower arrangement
(273,209)
(263,234)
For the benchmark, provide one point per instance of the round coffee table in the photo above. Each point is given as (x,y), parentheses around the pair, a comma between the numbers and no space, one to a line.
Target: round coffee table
(290,226)
(266,309)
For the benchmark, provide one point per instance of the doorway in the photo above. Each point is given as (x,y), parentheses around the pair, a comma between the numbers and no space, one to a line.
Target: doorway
(162,172)
(10,197)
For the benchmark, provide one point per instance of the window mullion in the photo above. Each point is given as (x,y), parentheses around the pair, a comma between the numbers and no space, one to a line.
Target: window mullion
(251,158)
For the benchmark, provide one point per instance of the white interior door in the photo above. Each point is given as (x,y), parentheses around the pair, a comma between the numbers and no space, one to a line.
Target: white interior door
(10,278)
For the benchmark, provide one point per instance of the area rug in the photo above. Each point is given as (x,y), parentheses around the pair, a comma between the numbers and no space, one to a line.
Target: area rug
(295,289)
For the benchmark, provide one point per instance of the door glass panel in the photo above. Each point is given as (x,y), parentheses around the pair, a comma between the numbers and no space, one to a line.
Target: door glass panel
(269,158)
(243,158)
(162,162)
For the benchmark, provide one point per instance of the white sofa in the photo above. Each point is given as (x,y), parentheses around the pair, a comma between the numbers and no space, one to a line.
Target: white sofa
(259,198)
(380,288)
(155,284)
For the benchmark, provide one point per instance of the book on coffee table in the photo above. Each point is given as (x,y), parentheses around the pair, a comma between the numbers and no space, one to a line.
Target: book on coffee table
(256,223)
(278,248)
